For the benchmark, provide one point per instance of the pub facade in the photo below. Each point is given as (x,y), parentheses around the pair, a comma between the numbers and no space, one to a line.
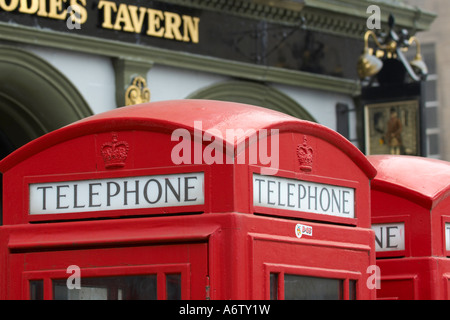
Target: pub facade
(61,61)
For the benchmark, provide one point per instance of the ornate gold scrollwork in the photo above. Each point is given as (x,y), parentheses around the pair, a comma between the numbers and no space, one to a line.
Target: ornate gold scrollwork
(137,92)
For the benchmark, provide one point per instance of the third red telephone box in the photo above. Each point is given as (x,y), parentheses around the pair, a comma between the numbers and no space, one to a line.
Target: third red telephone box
(187,200)
(411,220)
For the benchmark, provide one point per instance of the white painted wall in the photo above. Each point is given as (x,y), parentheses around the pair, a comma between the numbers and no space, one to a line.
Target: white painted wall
(170,83)
(92,75)
(320,104)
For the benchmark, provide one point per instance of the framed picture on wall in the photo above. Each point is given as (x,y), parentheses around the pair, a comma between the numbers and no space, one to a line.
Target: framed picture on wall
(392,128)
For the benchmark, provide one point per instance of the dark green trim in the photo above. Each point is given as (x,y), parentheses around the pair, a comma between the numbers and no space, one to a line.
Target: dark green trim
(125,71)
(17,122)
(149,55)
(35,96)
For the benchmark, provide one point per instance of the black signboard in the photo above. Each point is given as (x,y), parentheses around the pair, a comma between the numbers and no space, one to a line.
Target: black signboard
(198,31)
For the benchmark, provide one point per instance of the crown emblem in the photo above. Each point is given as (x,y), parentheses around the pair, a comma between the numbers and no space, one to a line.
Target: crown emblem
(305,155)
(114,153)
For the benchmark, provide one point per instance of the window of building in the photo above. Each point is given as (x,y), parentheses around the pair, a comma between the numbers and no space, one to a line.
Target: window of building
(432,107)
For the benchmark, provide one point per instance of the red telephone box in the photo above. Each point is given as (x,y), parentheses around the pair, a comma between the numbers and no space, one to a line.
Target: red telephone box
(411,220)
(187,200)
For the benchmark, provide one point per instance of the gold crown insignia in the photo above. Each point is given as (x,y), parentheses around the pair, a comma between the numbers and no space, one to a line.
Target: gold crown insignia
(114,153)
(305,155)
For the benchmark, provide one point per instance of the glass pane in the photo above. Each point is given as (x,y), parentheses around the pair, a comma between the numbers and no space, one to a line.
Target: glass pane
(432,117)
(428,51)
(433,144)
(274,286)
(430,90)
(312,288)
(173,286)
(108,288)
(37,290)
(352,290)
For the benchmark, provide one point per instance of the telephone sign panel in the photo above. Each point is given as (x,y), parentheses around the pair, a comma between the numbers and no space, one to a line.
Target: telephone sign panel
(297,195)
(389,237)
(157,191)
(447,236)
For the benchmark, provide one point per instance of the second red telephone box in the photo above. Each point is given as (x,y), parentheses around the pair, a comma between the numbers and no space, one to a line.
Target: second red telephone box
(411,220)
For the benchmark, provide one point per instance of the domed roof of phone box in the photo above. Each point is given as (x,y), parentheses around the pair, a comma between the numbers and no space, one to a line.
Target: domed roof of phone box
(423,180)
(166,116)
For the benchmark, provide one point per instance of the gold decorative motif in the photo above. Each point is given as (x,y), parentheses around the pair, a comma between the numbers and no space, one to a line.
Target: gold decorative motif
(137,92)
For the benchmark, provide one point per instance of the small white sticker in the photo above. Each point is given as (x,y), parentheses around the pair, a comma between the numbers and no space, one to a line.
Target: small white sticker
(301,229)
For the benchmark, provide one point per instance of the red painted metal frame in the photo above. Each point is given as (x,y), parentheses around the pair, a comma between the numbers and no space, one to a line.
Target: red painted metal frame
(233,264)
(229,230)
(281,270)
(321,256)
(445,252)
(396,219)
(161,270)
(100,250)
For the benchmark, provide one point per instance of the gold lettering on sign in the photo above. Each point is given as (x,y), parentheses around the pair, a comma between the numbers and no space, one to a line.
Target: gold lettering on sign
(107,6)
(162,24)
(137,19)
(115,16)
(54,9)
(123,17)
(24,8)
(9,7)
(154,23)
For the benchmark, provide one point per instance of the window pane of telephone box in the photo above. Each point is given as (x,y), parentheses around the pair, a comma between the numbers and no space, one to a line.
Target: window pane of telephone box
(274,286)
(173,286)
(108,288)
(352,289)
(37,290)
(312,288)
